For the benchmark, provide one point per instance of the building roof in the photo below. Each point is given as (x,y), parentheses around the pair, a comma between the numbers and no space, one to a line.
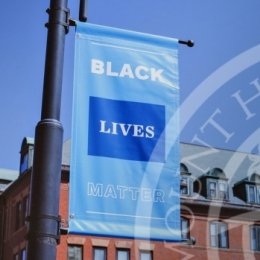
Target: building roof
(8,175)
(233,165)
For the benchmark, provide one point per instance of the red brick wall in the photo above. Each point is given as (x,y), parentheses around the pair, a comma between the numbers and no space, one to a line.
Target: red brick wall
(239,236)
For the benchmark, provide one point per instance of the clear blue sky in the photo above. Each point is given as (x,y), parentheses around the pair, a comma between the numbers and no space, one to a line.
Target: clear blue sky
(219,83)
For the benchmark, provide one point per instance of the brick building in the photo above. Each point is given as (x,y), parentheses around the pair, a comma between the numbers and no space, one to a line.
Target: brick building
(220,212)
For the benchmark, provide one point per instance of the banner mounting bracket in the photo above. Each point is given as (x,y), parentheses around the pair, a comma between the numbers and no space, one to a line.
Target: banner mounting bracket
(83,18)
(189,43)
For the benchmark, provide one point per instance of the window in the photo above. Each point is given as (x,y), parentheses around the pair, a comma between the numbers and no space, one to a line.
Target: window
(20,255)
(18,215)
(100,253)
(123,254)
(222,190)
(212,190)
(185,234)
(185,185)
(218,234)
(23,254)
(217,189)
(21,210)
(255,238)
(185,181)
(75,252)
(258,193)
(146,255)
(253,194)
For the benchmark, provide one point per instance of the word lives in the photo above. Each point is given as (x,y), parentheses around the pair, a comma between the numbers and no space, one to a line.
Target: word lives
(123,129)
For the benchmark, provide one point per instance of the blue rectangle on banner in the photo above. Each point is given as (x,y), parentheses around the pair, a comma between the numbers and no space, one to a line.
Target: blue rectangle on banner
(136,133)
(124,172)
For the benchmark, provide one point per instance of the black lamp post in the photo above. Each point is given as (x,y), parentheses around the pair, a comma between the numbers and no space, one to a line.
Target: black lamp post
(44,221)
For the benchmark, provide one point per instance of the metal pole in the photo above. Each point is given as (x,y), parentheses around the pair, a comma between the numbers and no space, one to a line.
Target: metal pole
(44,221)
(83,10)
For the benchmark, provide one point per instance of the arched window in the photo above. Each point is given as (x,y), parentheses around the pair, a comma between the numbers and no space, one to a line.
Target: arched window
(218,234)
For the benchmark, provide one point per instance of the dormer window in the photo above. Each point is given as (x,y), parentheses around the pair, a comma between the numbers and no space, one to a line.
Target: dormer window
(217,189)
(26,155)
(185,181)
(213,185)
(248,189)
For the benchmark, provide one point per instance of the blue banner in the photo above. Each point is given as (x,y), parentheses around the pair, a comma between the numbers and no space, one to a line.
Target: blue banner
(124,175)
